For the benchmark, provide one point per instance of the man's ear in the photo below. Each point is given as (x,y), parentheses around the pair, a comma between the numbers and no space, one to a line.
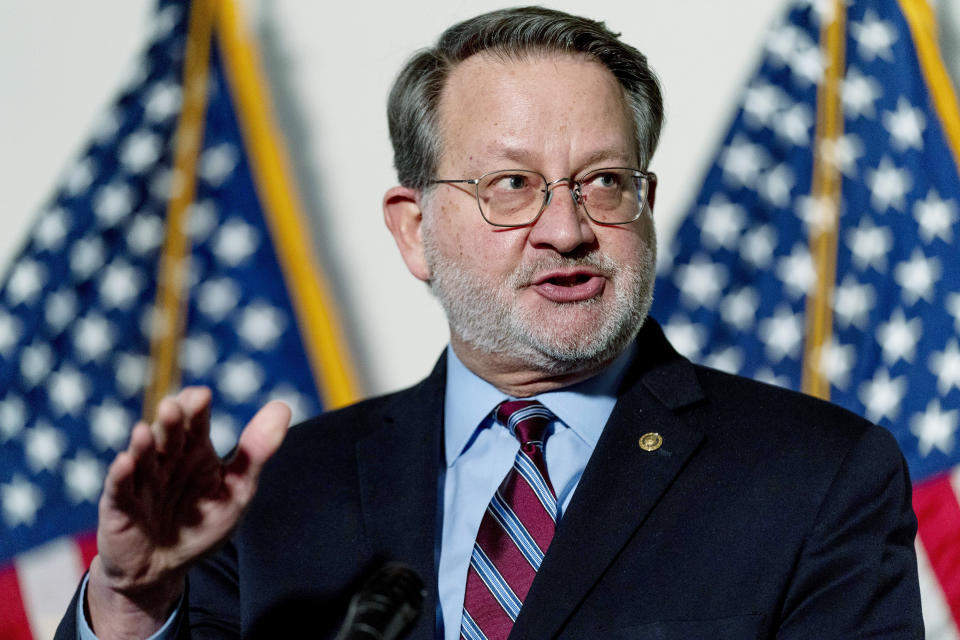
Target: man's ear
(402,214)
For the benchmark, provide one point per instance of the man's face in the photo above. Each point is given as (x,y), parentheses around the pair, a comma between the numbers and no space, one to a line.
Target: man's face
(563,294)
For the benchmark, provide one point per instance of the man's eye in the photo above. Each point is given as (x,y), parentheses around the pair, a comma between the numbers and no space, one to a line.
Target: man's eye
(605,180)
(513,182)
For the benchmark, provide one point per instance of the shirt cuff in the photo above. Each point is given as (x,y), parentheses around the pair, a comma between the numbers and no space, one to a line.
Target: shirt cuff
(166,632)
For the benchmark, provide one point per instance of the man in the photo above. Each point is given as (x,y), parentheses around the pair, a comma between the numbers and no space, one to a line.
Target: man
(646,496)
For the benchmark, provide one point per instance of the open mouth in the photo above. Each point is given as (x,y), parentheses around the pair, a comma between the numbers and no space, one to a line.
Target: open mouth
(569,287)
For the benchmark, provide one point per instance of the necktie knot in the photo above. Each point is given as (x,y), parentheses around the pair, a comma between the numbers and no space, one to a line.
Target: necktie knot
(527,420)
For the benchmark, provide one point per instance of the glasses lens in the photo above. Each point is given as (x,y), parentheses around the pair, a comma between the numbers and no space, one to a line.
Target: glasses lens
(614,195)
(511,198)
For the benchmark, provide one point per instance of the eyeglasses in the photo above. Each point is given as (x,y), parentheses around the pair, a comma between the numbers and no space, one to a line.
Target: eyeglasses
(516,197)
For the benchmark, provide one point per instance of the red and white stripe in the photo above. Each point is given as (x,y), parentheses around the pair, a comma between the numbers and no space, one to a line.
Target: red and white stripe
(936,504)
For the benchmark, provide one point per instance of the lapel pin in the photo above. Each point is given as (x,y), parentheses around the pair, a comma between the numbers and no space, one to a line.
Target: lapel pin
(651,441)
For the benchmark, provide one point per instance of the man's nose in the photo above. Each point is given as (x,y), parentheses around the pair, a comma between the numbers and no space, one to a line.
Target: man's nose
(563,225)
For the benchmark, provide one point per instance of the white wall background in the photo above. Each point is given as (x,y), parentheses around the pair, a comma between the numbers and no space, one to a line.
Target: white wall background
(331,63)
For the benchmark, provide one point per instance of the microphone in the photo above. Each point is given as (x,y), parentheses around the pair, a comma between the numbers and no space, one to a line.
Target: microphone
(386,606)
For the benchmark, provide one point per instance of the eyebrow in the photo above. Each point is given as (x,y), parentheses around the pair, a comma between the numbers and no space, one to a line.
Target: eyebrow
(499,151)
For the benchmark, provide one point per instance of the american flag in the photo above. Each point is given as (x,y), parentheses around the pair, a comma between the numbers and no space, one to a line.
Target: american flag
(172,253)
(822,252)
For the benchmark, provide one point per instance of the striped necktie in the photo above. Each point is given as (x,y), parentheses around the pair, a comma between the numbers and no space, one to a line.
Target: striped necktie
(515,531)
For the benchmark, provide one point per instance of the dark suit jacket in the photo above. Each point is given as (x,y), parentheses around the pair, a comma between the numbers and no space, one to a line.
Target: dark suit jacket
(764,514)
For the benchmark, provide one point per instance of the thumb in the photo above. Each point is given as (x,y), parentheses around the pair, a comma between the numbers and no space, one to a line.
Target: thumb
(260,440)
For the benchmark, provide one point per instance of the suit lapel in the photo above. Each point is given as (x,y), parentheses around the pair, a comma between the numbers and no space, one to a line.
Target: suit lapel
(398,466)
(620,485)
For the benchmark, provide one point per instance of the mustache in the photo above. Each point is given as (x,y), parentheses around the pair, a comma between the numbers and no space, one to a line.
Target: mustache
(525,274)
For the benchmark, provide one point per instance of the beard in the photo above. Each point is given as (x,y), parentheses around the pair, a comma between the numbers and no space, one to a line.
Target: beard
(486,316)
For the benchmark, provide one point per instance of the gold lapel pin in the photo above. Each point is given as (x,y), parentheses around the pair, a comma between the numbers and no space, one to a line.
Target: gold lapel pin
(651,441)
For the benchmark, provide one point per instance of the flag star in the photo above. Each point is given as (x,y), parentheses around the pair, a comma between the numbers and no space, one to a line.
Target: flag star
(163,101)
(300,405)
(68,390)
(935,428)
(198,354)
(52,229)
(905,126)
(860,92)
(26,281)
(775,185)
(21,501)
(13,417)
(807,61)
(86,257)
(701,281)
(216,298)
(166,183)
(758,246)
(83,477)
(108,125)
(882,396)
(234,242)
(819,213)
(201,220)
(762,102)
(110,425)
(842,152)
(112,203)
(10,332)
(217,163)
(823,10)
(223,432)
(132,372)
(93,337)
(36,362)
(742,161)
(869,245)
(79,177)
(853,302)
(899,337)
(60,310)
(165,20)
(120,286)
(729,359)
(875,37)
(239,378)
(946,366)
(781,43)
(767,375)
(782,334)
(721,223)
(793,124)
(140,151)
(145,234)
(688,338)
(888,186)
(739,309)
(260,325)
(917,277)
(953,308)
(796,271)
(835,360)
(936,217)
(44,446)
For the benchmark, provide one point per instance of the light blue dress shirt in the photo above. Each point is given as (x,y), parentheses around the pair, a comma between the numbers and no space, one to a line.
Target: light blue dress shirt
(478,454)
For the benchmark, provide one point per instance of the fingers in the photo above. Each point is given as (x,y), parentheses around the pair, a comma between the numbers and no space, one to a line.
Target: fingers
(259,441)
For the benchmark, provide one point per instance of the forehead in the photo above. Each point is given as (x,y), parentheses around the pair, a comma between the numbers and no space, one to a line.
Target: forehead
(532,109)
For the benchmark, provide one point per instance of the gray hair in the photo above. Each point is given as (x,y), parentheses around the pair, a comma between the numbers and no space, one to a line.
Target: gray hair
(413,105)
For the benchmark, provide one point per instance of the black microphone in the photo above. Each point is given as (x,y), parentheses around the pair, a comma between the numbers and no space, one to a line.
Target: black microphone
(386,606)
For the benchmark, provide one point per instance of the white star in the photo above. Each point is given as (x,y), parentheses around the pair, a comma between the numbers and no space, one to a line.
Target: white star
(917,277)
(793,124)
(13,417)
(165,20)
(946,366)
(701,281)
(52,229)
(853,302)
(145,234)
(835,360)
(874,37)
(234,242)
(721,223)
(905,126)
(239,378)
(936,217)
(10,331)
(782,334)
(796,271)
(216,298)
(260,325)
(869,245)
(68,390)
(739,309)
(775,185)
(120,286)
(860,92)
(761,103)
(44,447)
(140,151)
(953,308)
(223,432)
(729,360)
(686,337)
(26,281)
(79,177)
(899,337)
(112,203)
(93,337)
(758,246)
(83,477)
(107,126)
(86,257)
(217,163)
(882,396)
(842,152)
(819,213)
(742,161)
(166,183)
(300,405)
(935,428)
(201,220)
(21,500)
(198,353)
(110,425)
(807,61)
(163,101)
(36,362)
(888,186)
(132,372)
(782,42)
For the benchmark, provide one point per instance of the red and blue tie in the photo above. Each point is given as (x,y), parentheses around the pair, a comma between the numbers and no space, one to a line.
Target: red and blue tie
(515,531)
